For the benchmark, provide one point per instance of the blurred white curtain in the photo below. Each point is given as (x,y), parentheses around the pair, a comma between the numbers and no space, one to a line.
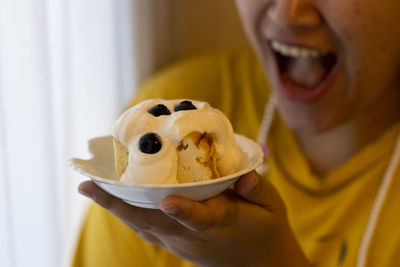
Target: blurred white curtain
(66,71)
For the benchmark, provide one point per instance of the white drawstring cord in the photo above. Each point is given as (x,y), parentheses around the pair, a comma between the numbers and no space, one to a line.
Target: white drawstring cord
(266,121)
(379,201)
(377,206)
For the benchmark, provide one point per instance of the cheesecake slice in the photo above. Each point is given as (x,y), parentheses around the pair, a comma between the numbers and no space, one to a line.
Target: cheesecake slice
(121,156)
(197,160)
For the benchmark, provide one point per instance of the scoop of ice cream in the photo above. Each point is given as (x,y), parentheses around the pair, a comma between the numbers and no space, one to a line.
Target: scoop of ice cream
(154,131)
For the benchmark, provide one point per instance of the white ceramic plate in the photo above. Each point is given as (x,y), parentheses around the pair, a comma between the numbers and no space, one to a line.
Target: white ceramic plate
(100,168)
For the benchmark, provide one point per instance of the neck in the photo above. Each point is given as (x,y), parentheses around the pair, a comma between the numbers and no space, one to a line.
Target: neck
(330,149)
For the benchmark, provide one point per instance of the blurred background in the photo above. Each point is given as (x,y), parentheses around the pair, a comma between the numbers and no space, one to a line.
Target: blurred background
(67,70)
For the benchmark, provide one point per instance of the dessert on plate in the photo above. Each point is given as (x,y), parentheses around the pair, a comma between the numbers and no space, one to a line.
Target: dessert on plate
(173,141)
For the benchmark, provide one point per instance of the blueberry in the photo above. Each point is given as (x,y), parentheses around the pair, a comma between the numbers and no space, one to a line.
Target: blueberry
(184,105)
(150,143)
(158,110)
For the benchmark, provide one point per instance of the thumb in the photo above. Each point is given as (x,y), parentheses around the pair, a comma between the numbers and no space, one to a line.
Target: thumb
(193,215)
(200,216)
(258,190)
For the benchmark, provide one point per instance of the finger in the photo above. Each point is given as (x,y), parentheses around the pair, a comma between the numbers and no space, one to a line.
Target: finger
(198,216)
(150,237)
(104,199)
(133,216)
(259,190)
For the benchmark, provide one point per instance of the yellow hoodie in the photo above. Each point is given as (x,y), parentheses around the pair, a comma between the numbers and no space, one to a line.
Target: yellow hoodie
(328,214)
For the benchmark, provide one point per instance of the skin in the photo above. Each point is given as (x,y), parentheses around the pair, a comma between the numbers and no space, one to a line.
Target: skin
(366,39)
(225,224)
(248,225)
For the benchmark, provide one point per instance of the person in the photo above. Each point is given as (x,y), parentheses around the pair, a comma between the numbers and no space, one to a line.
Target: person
(331,195)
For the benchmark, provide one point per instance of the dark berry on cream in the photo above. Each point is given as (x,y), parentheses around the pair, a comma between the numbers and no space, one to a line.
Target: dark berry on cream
(185,105)
(150,143)
(159,110)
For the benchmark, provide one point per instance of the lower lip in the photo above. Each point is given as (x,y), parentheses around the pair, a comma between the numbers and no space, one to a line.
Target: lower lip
(302,95)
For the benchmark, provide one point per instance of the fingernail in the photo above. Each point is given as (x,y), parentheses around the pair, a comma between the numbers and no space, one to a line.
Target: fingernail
(250,183)
(170,210)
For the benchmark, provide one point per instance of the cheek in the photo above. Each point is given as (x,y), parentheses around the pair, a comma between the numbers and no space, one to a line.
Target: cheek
(250,12)
(368,40)
(364,28)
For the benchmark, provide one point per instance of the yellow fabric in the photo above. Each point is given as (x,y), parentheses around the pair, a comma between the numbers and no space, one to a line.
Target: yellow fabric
(328,214)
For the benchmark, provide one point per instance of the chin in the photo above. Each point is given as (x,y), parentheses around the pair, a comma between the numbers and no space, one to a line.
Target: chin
(305,119)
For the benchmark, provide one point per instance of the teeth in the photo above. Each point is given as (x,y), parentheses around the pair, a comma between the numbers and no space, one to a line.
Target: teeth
(295,51)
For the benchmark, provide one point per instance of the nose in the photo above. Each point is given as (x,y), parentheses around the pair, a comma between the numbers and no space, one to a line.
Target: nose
(293,14)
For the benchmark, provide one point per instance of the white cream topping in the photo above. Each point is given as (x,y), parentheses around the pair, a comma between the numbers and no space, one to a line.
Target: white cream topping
(295,51)
(161,167)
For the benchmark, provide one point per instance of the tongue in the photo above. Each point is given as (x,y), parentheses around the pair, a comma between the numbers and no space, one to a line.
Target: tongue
(305,73)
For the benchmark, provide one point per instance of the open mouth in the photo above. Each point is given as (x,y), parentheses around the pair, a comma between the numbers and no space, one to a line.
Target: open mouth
(305,73)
